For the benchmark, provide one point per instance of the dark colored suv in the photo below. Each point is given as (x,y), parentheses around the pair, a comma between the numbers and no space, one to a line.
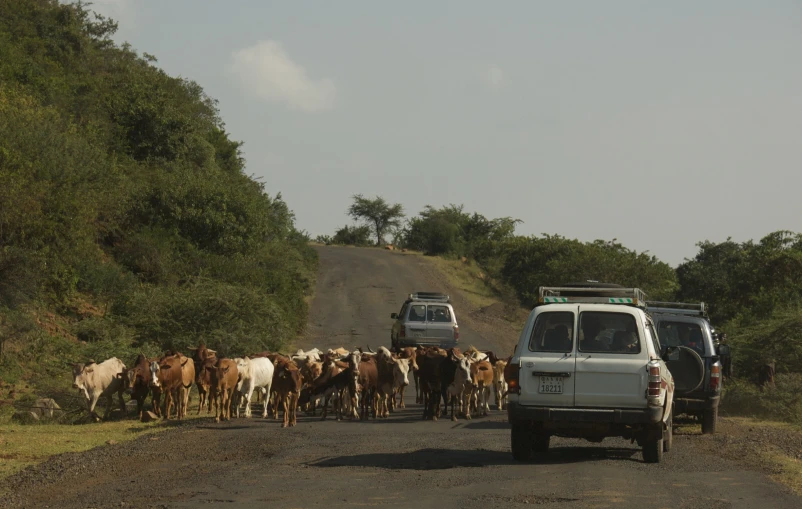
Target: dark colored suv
(695,362)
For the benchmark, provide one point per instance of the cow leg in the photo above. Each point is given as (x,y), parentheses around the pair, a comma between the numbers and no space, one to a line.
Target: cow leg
(265,399)
(285,404)
(293,407)
(248,396)
(418,389)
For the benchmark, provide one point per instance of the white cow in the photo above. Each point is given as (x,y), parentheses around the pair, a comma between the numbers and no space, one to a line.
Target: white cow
(254,374)
(309,355)
(500,384)
(459,390)
(96,380)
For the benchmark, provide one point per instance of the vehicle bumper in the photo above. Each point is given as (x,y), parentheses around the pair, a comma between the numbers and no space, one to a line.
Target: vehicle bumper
(517,412)
(695,404)
(404,342)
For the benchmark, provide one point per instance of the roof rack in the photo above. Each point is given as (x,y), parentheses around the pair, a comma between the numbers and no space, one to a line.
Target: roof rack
(429,297)
(617,295)
(677,308)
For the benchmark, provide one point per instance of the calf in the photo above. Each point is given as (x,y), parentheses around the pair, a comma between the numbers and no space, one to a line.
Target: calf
(459,390)
(202,356)
(287,383)
(409,353)
(500,384)
(224,380)
(429,360)
(96,380)
(482,381)
(367,380)
(392,374)
(136,382)
(253,374)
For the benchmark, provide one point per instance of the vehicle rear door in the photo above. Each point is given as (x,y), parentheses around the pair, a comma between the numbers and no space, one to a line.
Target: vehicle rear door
(548,358)
(416,323)
(611,358)
(439,323)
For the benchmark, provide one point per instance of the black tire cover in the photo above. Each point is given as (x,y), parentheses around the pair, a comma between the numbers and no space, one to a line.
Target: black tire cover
(688,371)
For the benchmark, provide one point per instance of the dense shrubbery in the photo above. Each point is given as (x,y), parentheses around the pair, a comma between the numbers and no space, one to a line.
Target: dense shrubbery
(125,212)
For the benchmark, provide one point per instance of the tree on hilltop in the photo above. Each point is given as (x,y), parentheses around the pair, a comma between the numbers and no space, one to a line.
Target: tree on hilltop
(377,213)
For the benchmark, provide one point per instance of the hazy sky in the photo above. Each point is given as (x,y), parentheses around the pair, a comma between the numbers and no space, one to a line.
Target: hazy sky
(659,124)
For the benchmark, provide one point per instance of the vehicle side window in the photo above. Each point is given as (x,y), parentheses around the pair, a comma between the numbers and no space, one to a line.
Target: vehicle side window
(553,332)
(417,313)
(403,312)
(652,334)
(682,334)
(603,332)
(438,314)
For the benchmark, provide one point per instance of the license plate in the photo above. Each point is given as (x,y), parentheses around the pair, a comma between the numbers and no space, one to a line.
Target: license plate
(551,385)
(417,334)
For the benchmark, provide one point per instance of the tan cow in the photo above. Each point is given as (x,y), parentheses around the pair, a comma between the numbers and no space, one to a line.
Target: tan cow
(482,381)
(224,381)
(500,384)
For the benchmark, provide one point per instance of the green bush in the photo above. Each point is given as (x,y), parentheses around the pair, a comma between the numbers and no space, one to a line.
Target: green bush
(782,402)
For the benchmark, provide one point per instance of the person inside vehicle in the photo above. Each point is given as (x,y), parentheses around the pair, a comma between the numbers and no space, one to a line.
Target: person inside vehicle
(590,343)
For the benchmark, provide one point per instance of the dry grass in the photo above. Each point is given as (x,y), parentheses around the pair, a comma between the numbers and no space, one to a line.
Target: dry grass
(468,279)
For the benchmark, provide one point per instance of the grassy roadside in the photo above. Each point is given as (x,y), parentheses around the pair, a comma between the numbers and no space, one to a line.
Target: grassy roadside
(469,279)
(25,445)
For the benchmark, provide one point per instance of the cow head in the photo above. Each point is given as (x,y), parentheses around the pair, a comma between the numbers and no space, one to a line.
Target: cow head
(463,371)
(154,374)
(401,372)
(81,373)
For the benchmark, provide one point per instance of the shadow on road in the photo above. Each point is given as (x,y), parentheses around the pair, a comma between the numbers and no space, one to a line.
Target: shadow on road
(440,459)
(424,459)
(485,424)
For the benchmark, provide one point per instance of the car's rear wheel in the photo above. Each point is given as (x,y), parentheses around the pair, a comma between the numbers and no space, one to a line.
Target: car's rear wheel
(668,435)
(540,442)
(653,451)
(521,442)
(709,421)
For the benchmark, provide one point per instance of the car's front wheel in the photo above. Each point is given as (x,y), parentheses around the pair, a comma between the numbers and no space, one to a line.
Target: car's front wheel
(521,442)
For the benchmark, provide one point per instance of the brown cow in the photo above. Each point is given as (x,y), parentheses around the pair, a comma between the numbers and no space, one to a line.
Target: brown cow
(207,391)
(287,386)
(170,380)
(136,382)
(429,360)
(367,381)
(224,380)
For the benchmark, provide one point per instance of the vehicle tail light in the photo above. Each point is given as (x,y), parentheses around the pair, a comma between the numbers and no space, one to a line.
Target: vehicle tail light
(403,332)
(511,375)
(715,377)
(456,332)
(655,383)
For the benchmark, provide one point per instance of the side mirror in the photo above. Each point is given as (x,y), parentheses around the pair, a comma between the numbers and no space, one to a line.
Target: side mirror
(669,353)
(394,316)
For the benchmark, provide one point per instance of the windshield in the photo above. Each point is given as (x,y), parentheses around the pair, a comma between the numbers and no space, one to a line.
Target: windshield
(553,332)
(682,334)
(602,332)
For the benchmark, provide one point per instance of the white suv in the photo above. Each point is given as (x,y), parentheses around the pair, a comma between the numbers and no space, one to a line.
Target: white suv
(589,365)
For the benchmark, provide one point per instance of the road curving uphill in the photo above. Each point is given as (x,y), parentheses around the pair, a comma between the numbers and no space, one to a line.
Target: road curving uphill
(400,461)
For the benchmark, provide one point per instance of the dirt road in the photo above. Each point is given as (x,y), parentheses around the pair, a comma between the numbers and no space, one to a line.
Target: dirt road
(398,462)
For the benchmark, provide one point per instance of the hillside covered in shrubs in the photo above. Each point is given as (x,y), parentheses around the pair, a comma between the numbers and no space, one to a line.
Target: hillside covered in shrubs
(127,220)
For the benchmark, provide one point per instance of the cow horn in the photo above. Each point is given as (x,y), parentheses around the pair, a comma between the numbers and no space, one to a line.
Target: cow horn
(369,349)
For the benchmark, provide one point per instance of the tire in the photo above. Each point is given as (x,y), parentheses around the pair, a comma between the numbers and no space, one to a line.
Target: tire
(653,451)
(540,442)
(709,421)
(521,442)
(668,435)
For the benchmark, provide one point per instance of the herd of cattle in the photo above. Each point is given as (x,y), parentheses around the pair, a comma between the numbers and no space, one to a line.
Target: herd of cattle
(355,383)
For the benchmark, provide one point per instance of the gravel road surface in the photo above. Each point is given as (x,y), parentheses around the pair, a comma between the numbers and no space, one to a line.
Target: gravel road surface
(397,462)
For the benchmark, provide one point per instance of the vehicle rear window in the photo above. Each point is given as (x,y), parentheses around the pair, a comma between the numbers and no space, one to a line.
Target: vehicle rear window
(438,314)
(417,313)
(681,334)
(603,332)
(553,332)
